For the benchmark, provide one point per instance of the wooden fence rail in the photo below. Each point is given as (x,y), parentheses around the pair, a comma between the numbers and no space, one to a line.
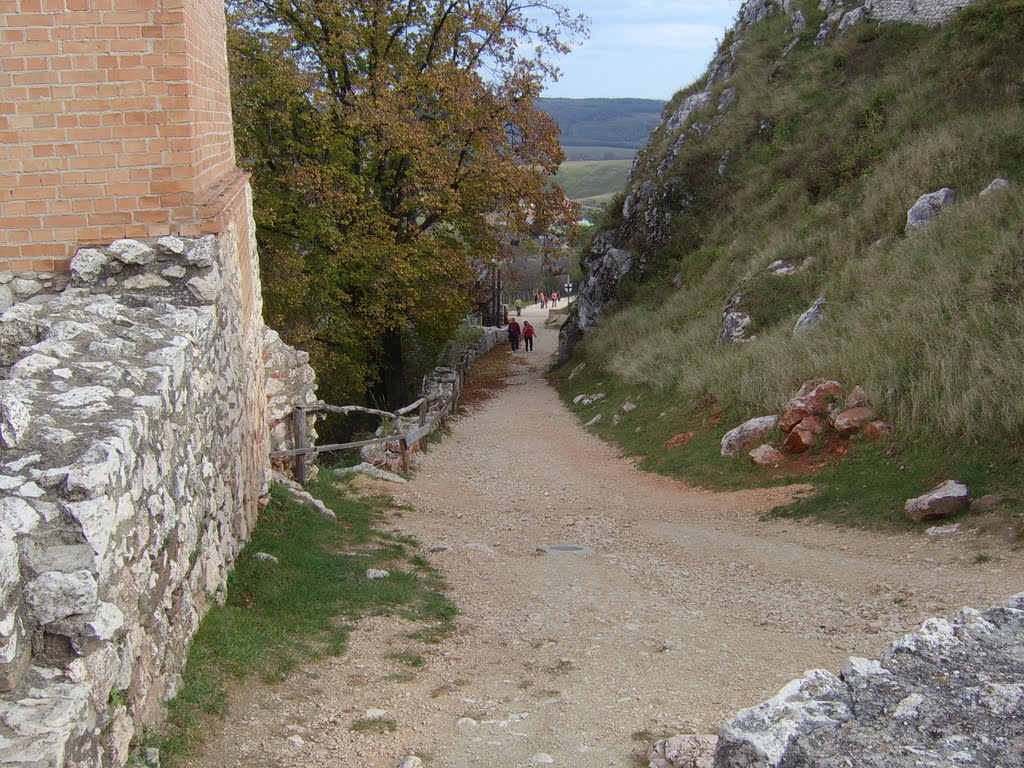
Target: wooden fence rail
(426,424)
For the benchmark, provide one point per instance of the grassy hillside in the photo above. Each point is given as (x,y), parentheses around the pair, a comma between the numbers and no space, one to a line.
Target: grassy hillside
(828,147)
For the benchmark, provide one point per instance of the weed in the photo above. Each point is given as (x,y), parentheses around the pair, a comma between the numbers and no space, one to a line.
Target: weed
(414,660)
(982,557)
(277,615)
(374,725)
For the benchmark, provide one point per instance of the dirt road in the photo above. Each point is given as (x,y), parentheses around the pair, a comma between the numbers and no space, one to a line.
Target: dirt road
(686,609)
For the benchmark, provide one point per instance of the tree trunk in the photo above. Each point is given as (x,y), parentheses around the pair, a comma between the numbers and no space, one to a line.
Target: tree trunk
(394,388)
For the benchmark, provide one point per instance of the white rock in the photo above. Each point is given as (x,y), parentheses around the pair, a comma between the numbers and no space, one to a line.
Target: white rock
(375,714)
(171,245)
(366,468)
(466,722)
(266,558)
(24,287)
(55,595)
(206,289)
(132,252)
(943,530)
(14,417)
(6,298)
(18,514)
(947,499)
(175,273)
(811,318)
(203,252)
(409,762)
(375,573)
(542,758)
(144,282)
(628,407)
(928,207)
(32,366)
(995,186)
(747,435)
(87,265)
(593,422)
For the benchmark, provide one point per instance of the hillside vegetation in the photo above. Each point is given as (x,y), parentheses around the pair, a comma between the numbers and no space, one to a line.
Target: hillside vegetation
(624,123)
(817,162)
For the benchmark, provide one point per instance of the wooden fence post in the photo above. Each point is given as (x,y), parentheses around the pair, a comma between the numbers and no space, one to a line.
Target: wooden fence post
(423,420)
(301,439)
(404,445)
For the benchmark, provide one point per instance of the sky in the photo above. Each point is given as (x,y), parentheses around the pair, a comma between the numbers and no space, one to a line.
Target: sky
(642,48)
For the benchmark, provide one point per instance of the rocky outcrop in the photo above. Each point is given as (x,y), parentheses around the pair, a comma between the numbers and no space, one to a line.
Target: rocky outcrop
(603,270)
(133,461)
(950,694)
(928,207)
(811,318)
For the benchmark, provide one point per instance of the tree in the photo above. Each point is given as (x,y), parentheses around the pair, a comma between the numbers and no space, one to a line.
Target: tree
(394,146)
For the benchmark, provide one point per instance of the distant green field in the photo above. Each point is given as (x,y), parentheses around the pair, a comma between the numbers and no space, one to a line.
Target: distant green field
(598,153)
(592,178)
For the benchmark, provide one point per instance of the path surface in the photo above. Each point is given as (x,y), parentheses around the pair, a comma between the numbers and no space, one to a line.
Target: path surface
(688,609)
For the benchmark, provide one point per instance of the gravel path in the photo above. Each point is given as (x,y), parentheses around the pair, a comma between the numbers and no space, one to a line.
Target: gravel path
(687,609)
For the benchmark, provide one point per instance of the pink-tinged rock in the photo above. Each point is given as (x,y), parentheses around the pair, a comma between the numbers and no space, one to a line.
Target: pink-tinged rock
(877,429)
(747,434)
(798,440)
(851,420)
(857,397)
(944,501)
(811,424)
(819,388)
(812,400)
(767,456)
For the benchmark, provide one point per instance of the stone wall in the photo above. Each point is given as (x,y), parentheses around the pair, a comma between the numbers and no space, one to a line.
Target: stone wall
(914,11)
(133,455)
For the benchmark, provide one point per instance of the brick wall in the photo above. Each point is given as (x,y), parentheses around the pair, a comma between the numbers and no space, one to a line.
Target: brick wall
(115,121)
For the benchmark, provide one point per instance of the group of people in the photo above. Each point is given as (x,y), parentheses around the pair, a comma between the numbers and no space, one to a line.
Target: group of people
(526,332)
(543,299)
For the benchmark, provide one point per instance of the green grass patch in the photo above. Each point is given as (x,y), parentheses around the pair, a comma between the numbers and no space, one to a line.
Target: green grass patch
(278,615)
(590,178)
(374,725)
(414,660)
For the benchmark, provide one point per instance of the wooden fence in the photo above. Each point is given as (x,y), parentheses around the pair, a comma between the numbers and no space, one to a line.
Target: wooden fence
(427,423)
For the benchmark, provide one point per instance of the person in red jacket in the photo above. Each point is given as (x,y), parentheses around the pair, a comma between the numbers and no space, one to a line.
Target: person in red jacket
(528,335)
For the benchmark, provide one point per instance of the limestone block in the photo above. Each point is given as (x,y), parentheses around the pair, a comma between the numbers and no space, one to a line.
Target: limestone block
(54,595)
(15,417)
(202,252)
(811,318)
(18,514)
(6,298)
(88,265)
(132,252)
(171,245)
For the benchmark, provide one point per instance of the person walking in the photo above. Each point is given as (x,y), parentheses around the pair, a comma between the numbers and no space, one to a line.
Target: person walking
(513,334)
(543,300)
(519,307)
(528,336)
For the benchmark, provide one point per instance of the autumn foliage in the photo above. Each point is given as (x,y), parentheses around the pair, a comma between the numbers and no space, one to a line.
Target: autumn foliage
(395,147)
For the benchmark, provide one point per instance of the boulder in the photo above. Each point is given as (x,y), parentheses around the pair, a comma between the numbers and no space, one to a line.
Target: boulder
(811,318)
(748,434)
(734,322)
(849,421)
(948,695)
(766,456)
(941,502)
(857,397)
(928,207)
(683,752)
(995,186)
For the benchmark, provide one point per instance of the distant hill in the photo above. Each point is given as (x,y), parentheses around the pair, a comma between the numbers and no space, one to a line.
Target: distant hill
(601,123)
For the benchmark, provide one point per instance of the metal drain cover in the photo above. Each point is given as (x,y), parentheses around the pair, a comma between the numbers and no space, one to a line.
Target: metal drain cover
(565,549)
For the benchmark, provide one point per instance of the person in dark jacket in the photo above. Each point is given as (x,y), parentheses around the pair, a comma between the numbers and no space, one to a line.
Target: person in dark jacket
(513,334)
(528,336)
